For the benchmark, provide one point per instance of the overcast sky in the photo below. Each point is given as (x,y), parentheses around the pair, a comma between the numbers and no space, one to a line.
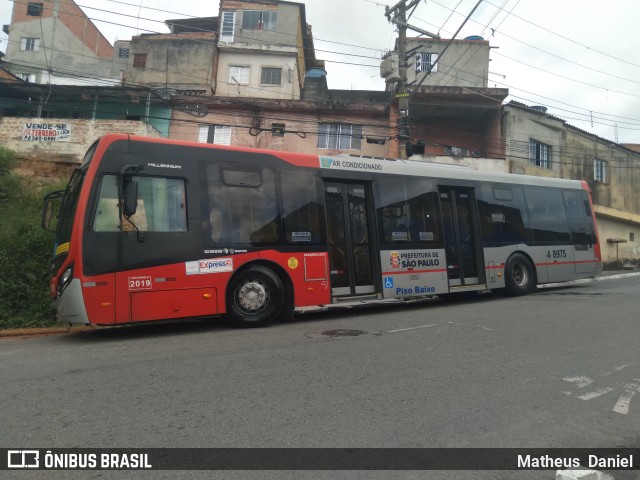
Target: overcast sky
(577,57)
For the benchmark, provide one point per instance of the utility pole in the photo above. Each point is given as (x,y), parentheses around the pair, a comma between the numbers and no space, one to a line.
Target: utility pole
(398,16)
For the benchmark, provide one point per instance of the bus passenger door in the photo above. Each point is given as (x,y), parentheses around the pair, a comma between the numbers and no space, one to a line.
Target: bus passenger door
(347,210)
(462,236)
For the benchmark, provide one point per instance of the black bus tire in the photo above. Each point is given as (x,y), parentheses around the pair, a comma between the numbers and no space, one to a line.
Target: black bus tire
(255,297)
(519,276)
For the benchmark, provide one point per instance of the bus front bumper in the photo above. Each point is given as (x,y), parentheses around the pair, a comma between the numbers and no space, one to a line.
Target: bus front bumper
(68,308)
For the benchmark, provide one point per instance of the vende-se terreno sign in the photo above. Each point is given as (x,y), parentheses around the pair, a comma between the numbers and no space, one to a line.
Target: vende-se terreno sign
(46,132)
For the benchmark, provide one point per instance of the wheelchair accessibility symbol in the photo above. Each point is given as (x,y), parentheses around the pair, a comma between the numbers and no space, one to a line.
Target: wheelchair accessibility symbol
(388,282)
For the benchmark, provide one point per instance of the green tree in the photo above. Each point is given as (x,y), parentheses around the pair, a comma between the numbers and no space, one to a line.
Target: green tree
(25,249)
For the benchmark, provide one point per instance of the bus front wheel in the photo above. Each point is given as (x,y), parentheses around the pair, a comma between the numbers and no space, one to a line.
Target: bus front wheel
(255,298)
(519,276)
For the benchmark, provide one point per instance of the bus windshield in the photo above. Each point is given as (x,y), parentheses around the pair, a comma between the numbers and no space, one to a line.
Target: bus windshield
(68,209)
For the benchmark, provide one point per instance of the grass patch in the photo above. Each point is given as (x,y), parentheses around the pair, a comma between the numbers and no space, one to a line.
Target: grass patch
(25,249)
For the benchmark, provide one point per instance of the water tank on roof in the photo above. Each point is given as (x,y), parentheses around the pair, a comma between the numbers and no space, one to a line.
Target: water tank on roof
(539,108)
(475,37)
(316,73)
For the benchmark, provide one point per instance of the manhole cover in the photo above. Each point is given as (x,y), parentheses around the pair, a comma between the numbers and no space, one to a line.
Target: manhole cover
(343,333)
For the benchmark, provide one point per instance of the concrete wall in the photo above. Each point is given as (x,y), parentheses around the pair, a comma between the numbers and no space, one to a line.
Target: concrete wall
(286,28)
(280,48)
(519,128)
(622,189)
(613,228)
(465,63)
(55,158)
(268,57)
(69,42)
(183,62)
(494,165)
(304,122)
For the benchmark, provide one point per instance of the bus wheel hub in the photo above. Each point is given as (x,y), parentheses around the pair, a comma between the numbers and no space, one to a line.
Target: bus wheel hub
(253,296)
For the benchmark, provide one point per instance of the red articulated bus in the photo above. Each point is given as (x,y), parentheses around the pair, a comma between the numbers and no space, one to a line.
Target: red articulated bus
(151,229)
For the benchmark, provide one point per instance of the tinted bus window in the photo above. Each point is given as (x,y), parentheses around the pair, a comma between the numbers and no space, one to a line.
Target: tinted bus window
(407,213)
(547,217)
(302,207)
(574,206)
(502,215)
(579,217)
(242,206)
(161,206)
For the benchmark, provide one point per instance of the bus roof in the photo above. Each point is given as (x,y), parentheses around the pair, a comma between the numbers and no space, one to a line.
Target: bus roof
(365,164)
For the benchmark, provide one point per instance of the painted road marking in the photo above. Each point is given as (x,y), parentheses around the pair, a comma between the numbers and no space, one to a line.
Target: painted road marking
(622,406)
(623,403)
(412,328)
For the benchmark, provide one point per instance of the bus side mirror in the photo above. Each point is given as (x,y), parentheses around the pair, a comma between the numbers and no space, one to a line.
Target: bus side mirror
(130,203)
(49,208)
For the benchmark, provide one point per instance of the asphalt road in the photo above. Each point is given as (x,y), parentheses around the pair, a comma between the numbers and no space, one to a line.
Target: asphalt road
(556,369)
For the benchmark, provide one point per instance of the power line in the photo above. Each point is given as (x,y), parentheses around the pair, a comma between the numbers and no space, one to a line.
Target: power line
(550,53)
(569,39)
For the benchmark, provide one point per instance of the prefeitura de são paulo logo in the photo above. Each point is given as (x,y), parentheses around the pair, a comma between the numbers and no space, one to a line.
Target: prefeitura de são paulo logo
(394,260)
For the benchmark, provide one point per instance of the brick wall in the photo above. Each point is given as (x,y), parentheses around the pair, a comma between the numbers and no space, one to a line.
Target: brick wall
(49,159)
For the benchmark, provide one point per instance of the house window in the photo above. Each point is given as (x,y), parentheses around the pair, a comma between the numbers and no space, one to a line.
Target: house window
(259,20)
(123,53)
(539,154)
(271,76)
(218,134)
(239,74)
(600,171)
(30,43)
(632,237)
(34,9)
(226,29)
(339,136)
(426,62)
(139,60)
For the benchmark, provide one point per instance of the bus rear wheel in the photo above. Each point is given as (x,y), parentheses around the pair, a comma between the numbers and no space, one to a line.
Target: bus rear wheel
(255,297)
(519,276)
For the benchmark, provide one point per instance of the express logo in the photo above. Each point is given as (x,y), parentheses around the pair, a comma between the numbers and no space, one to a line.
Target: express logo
(394,260)
(216,265)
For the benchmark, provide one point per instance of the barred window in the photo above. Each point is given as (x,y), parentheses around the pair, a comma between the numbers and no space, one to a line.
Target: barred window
(426,62)
(339,136)
(600,173)
(259,20)
(239,74)
(539,154)
(271,76)
(218,134)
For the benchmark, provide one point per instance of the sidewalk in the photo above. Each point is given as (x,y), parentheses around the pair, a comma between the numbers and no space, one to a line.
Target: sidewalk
(62,330)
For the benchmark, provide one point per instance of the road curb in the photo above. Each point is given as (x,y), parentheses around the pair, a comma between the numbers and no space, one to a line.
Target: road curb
(599,278)
(30,332)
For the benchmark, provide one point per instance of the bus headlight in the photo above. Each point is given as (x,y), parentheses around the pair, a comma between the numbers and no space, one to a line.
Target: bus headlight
(65,279)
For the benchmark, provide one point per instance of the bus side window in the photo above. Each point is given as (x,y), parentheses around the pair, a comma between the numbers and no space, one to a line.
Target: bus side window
(407,211)
(547,216)
(502,218)
(161,206)
(302,210)
(242,205)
